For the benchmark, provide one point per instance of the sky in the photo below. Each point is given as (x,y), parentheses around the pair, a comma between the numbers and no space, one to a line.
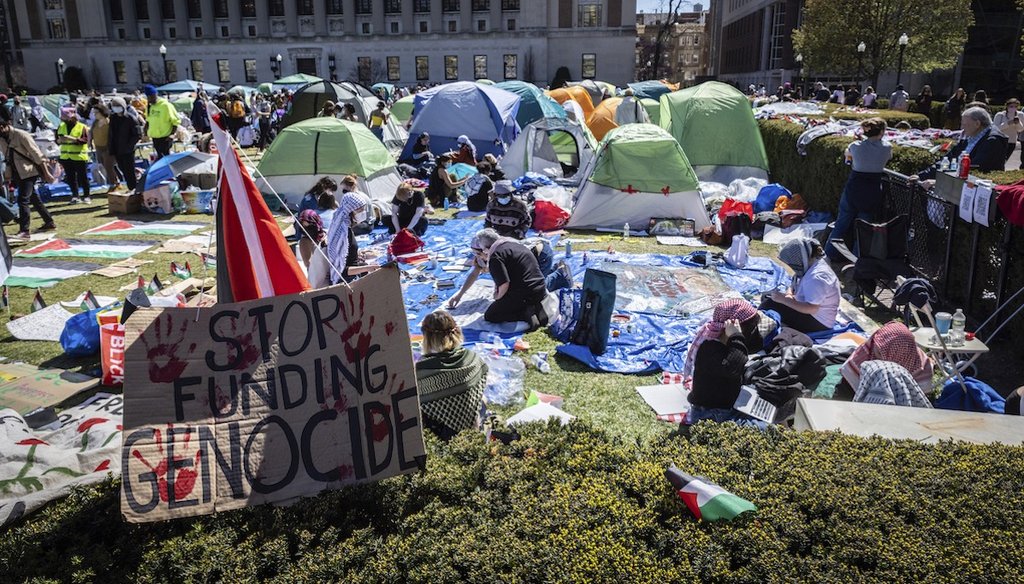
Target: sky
(654,5)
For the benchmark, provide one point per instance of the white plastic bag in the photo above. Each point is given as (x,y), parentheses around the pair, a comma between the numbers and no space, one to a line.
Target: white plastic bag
(738,251)
(504,378)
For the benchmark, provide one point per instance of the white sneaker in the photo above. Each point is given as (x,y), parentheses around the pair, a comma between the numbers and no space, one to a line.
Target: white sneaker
(75,200)
(87,200)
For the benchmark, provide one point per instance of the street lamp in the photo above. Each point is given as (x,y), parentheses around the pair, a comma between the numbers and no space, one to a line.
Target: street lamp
(332,65)
(903,41)
(860,62)
(163,55)
(278,58)
(800,71)
(60,72)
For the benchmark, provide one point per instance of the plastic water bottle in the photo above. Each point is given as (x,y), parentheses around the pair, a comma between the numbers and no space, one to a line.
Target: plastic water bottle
(568,249)
(956,330)
(540,361)
(954,165)
(625,230)
(446,203)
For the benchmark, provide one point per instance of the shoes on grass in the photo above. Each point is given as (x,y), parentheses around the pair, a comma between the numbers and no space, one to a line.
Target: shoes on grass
(47,227)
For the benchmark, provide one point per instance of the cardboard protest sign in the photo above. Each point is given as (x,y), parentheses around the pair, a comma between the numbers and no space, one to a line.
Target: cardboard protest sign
(24,388)
(267,400)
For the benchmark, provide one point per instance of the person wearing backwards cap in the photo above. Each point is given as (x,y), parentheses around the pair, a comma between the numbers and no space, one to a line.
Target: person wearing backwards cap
(161,121)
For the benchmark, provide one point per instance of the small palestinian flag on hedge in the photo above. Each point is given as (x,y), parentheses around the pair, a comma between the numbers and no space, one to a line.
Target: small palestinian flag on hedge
(37,302)
(181,272)
(706,500)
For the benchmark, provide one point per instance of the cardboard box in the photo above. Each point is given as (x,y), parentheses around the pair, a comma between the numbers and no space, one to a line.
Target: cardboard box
(203,180)
(124,203)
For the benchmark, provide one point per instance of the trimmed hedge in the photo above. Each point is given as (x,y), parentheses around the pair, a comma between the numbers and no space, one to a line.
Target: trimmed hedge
(575,505)
(821,175)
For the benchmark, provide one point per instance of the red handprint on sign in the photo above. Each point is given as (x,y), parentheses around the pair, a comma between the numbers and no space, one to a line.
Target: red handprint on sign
(184,478)
(163,345)
(354,318)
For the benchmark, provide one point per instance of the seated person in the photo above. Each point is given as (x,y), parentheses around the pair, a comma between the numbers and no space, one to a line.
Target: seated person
(1012,406)
(507,214)
(813,304)
(894,343)
(496,172)
(421,150)
(450,378)
(888,383)
(442,187)
(980,140)
(556,276)
(466,154)
(479,187)
(407,211)
(348,113)
(311,234)
(519,285)
(342,249)
(716,360)
(316,196)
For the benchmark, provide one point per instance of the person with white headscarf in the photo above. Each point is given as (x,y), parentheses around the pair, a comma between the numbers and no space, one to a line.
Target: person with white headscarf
(630,110)
(341,242)
(466,152)
(812,305)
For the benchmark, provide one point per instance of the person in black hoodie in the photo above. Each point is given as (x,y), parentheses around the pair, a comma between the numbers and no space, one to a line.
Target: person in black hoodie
(980,140)
(124,135)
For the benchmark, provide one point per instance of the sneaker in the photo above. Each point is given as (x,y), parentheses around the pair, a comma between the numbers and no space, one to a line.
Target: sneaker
(22,236)
(75,201)
(87,200)
(47,227)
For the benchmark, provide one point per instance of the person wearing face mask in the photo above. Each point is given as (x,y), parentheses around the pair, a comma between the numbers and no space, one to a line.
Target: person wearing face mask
(812,305)
(1011,123)
(20,116)
(441,185)
(24,165)
(407,211)
(73,137)
(985,144)
(507,214)
(124,135)
(100,139)
(342,250)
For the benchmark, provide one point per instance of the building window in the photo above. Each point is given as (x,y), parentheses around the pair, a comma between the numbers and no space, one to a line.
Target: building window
(481,5)
(277,7)
(224,32)
(250,70)
(55,26)
(220,8)
(121,34)
(197,32)
(171,73)
(195,9)
(252,30)
(453,26)
(589,66)
(511,66)
(172,32)
(145,32)
(366,28)
(144,72)
(481,25)
(142,9)
(224,70)
(451,67)
(305,7)
(590,13)
(197,69)
(480,67)
(167,9)
(116,10)
(449,5)
(120,73)
(364,6)
(335,7)
(510,5)
(249,8)
(511,24)
(392,6)
(394,28)
(422,68)
(424,26)
(421,6)
(394,71)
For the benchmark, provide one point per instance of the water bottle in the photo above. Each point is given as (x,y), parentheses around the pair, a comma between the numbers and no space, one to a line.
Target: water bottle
(568,248)
(446,203)
(540,361)
(956,331)
(625,230)
(953,166)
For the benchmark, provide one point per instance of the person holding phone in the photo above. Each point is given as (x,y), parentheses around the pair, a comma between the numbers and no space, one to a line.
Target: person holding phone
(1011,123)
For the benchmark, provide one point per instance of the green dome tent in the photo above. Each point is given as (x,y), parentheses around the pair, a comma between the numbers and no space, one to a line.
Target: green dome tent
(309,150)
(715,126)
(653,109)
(533,103)
(401,110)
(308,101)
(639,172)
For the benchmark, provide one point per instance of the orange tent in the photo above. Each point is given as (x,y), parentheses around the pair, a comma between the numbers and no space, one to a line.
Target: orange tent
(602,120)
(577,94)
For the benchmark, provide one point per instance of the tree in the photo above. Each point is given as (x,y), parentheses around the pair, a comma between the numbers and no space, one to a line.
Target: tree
(832,30)
(654,48)
(74,79)
(562,78)
(368,73)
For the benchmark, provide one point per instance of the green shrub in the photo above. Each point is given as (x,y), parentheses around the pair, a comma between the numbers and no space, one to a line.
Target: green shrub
(575,505)
(820,175)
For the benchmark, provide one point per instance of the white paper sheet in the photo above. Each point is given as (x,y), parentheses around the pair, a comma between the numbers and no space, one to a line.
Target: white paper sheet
(540,413)
(666,399)
(43,325)
(982,200)
(680,240)
(967,203)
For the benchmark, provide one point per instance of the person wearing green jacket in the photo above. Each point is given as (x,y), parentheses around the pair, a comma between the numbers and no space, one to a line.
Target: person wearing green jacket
(161,121)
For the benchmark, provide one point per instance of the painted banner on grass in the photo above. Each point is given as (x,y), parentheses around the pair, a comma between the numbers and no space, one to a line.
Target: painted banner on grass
(669,291)
(121,227)
(43,273)
(267,400)
(84,248)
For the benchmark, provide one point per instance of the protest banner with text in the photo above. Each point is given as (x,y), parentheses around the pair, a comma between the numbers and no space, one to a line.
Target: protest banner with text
(267,400)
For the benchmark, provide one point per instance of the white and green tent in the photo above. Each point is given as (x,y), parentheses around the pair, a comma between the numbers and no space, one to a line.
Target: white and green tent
(638,173)
(309,150)
(551,146)
(715,126)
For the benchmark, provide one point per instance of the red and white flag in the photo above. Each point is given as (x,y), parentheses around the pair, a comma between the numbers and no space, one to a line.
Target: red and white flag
(253,258)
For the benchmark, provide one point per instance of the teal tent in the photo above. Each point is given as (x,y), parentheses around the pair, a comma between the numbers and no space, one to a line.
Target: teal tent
(534,104)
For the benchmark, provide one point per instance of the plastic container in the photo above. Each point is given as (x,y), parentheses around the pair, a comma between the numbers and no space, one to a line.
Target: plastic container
(540,361)
(965,166)
(956,331)
(505,377)
(625,231)
(568,249)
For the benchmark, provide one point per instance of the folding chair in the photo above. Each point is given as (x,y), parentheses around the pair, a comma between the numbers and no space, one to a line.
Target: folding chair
(883,256)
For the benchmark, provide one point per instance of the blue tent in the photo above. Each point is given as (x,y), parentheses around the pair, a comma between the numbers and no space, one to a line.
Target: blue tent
(534,104)
(649,89)
(484,113)
(188,85)
(170,166)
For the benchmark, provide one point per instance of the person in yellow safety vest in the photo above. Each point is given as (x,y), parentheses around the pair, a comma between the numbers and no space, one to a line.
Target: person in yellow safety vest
(73,137)
(161,121)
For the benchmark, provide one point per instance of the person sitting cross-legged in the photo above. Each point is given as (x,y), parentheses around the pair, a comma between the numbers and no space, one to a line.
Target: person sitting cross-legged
(449,377)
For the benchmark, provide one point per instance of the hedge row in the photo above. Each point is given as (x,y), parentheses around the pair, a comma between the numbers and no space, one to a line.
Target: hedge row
(820,175)
(575,505)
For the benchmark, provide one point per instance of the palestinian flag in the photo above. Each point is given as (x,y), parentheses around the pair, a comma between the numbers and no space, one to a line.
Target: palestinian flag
(155,285)
(37,302)
(83,248)
(89,302)
(210,261)
(142,282)
(121,228)
(706,500)
(43,273)
(181,272)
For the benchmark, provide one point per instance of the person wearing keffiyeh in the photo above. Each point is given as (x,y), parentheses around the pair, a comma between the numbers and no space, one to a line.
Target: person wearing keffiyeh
(894,343)
(888,383)
(812,305)
(450,378)
(341,242)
